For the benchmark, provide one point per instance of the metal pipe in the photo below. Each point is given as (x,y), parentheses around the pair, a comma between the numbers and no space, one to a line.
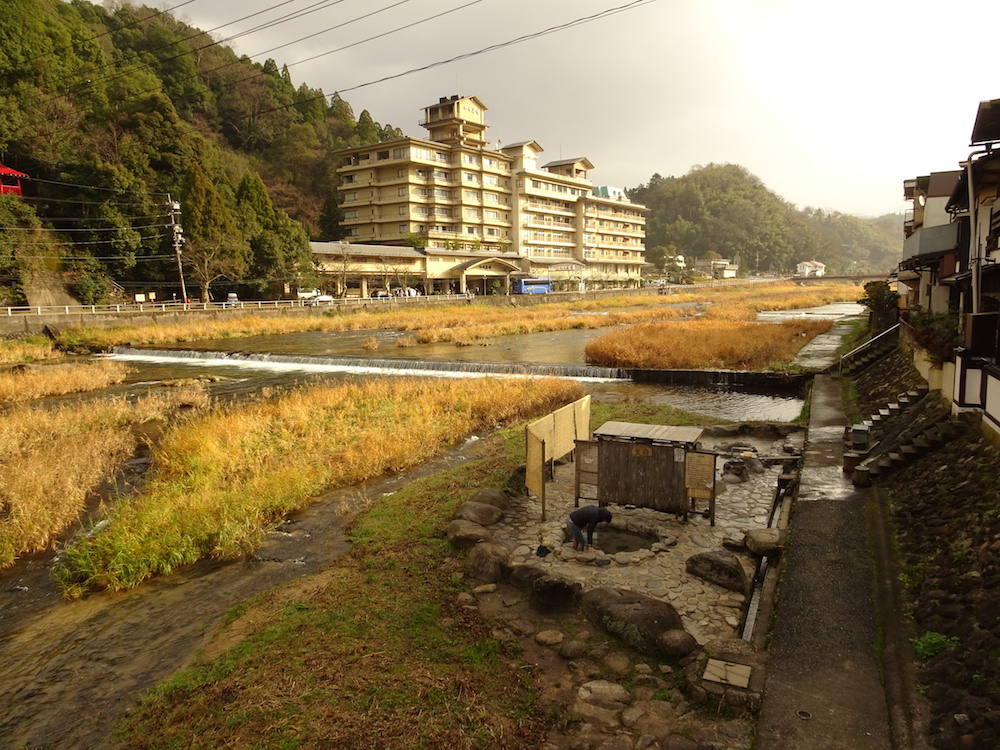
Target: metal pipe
(974,259)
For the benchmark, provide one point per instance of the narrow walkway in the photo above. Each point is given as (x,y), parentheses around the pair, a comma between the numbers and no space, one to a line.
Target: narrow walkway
(823,689)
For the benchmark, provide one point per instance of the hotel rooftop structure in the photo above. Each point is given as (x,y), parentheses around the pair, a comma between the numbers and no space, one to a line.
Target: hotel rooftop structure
(481,215)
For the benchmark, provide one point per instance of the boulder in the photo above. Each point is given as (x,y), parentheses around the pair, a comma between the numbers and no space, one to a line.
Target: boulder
(720,567)
(731,649)
(523,576)
(489,562)
(676,644)
(609,695)
(635,618)
(466,534)
(764,542)
(481,513)
(553,593)
(493,496)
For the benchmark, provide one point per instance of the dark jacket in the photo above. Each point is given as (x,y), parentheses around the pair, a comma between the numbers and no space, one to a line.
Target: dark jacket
(588,517)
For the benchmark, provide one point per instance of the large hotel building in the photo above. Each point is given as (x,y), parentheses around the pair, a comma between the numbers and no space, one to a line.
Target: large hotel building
(452,213)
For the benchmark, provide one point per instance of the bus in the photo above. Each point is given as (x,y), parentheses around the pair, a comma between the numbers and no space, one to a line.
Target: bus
(531,286)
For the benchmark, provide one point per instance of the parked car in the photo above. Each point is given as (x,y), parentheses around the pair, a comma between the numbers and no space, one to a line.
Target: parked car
(231,299)
(379,293)
(320,299)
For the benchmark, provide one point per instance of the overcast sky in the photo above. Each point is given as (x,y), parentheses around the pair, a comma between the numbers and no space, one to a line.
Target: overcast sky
(830,104)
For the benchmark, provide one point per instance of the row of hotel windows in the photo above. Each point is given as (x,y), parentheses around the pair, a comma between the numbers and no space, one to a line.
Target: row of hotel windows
(407,229)
(554,187)
(469,213)
(437,174)
(416,152)
(467,195)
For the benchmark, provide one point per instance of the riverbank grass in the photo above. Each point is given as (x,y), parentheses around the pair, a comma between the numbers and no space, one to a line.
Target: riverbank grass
(704,344)
(52,459)
(219,480)
(57,380)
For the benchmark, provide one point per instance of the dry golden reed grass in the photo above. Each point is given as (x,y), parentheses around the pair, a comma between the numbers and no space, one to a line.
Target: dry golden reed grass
(29,349)
(57,380)
(462,323)
(703,344)
(222,478)
(52,459)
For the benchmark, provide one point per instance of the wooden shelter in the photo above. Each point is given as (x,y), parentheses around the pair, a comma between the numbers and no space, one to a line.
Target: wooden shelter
(650,466)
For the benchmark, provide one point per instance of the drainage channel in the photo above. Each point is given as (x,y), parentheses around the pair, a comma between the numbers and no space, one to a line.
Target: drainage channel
(784,490)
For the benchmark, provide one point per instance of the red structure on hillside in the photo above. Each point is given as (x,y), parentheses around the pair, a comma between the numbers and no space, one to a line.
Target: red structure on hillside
(10,180)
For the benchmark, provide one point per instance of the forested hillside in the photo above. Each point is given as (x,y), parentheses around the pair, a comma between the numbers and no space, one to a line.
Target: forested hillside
(721,210)
(116,112)
(111,112)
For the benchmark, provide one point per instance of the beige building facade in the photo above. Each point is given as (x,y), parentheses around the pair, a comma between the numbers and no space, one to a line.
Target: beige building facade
(463,202)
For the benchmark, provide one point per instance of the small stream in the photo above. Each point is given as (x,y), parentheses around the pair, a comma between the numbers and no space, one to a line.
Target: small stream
(68,670)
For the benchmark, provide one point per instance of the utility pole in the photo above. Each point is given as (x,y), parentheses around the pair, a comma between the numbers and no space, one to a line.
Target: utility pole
(175,224)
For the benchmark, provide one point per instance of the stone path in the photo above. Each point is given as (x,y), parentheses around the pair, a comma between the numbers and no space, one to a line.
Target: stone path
(709,611)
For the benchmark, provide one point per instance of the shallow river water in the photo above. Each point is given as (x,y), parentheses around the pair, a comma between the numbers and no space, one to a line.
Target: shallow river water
(68,670)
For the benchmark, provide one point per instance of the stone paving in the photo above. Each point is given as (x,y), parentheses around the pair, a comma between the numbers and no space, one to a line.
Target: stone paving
(709,611)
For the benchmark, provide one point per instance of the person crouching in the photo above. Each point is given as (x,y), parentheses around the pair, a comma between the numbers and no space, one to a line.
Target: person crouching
(586,518)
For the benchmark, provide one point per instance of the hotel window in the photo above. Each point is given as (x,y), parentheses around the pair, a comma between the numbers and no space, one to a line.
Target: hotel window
(492,214)
(470,177)
(491,198)
(491,162)
(420,153)
(470,230)
(400,153)
(400,173)
(491,231)
(439,175)
(441,193)
(471,159)
(402,210)
(351,214)
(442,211)
(491,179)
(404,228)
(350,179)
(441,156)
(401,191)
(353,232)
(350,197)
(420,192)
(472,213)
(382,155)
(470,195)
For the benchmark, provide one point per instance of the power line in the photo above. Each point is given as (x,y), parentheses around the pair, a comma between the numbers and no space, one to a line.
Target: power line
(87,187)
(54,242)
(512,42)
(137,258)
(45,199)
(551,30)
(83,229)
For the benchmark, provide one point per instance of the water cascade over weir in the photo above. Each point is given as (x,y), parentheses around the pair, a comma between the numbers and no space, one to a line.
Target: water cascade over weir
(361,364)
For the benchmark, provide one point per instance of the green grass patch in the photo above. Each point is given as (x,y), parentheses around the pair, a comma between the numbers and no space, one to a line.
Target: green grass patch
(378,654)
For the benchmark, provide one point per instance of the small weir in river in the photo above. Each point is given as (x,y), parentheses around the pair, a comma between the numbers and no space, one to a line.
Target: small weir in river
(369,365)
